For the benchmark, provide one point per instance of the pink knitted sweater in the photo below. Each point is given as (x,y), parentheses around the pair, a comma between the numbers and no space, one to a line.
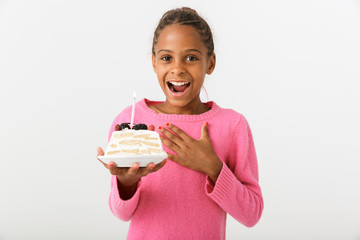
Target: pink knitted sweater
(179,203)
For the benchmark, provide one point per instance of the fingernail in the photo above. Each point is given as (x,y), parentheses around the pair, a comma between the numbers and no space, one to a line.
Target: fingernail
(151,166)
(207,124)
(167,124)
(165,162)
(111,164)
(136,167)
(159,127)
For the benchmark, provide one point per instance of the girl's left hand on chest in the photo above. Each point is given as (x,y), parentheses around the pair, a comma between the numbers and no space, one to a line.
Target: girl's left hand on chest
(195,154)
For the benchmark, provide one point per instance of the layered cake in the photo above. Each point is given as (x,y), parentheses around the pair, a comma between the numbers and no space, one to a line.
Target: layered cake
(132,142)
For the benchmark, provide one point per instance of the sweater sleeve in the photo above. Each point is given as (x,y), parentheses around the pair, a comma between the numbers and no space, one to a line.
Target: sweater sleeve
(122,209)
(237,190)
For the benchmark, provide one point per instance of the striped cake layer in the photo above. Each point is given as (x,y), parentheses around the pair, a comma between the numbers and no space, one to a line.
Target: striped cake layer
(134,142)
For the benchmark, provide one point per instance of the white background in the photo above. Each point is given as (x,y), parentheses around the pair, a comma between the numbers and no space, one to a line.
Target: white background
(67,68)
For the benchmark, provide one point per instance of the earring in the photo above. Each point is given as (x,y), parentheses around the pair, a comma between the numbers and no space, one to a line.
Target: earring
(207,96)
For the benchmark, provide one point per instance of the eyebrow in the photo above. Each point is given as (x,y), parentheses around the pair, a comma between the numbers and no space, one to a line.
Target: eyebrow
(187,50)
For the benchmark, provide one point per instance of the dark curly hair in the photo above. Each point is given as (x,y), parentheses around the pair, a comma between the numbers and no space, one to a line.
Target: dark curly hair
(185,16)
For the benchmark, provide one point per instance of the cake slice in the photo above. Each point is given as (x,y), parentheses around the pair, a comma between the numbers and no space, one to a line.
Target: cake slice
(129,142)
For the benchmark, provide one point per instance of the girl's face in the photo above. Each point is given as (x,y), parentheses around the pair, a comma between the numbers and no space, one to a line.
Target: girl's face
(180,62)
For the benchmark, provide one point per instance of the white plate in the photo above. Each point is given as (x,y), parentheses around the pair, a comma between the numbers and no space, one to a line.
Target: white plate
(128,161)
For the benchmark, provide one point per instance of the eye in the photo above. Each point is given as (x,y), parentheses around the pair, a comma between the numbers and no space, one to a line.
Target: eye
(166,58)
(191,58)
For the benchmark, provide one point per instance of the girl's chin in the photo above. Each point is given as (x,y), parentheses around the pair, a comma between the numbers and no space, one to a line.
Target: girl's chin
(181,102)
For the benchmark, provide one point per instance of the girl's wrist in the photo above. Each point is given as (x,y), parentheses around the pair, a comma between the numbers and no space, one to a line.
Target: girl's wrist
(127,190)
(128,183)
(215,169)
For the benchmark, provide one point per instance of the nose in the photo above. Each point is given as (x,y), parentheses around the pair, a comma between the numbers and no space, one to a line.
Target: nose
(177,67)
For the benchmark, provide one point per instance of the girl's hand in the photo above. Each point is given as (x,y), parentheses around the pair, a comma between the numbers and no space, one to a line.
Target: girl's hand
(198,155)
(129,177)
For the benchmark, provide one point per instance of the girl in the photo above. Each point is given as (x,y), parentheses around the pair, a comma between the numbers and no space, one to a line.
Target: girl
(213,166)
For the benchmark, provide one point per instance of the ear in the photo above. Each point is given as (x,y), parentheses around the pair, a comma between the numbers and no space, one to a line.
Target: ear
(211,64)
(153,62)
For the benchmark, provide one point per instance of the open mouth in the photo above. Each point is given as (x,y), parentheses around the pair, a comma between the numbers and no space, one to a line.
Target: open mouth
(178,87)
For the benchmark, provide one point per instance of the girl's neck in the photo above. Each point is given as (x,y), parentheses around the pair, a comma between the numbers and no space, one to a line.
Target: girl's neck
(193,108)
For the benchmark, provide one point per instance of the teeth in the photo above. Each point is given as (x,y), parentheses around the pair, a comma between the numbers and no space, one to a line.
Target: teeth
(179,83)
